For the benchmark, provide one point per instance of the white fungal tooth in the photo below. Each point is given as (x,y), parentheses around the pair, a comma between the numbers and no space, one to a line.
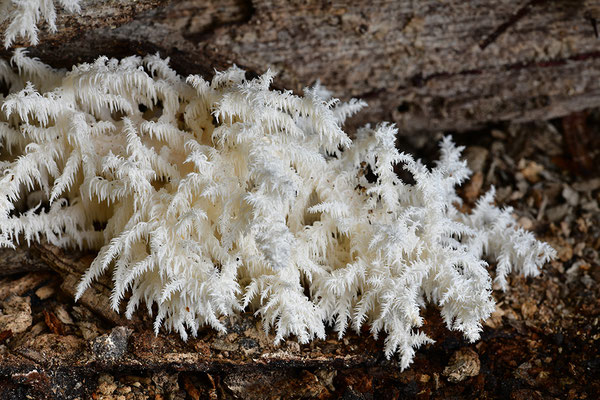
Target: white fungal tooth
(208,198)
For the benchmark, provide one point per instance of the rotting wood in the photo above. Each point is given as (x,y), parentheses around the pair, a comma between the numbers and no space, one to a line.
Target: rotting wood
(420,64)
(71,265)
(94,14)
(21,259)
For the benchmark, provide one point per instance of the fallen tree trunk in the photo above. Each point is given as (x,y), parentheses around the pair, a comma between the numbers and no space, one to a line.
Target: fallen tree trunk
(19,260)
(94,14)
(426,65)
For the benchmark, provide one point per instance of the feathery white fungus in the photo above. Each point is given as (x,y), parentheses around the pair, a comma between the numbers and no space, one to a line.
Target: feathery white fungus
(209,198)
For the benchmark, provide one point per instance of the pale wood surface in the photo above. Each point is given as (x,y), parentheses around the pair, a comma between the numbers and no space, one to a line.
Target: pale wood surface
(427,65)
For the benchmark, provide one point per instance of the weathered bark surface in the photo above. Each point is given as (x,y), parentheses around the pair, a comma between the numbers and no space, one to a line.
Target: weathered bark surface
(71,265)
(427,65)
(19,260)
(94,14)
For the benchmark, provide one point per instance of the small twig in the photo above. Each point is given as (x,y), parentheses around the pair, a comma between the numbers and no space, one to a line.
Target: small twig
(521,12)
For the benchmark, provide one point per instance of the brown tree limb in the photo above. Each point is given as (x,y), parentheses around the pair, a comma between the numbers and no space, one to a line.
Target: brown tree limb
(94,14)
(71,265)
(19,260)
(419,64)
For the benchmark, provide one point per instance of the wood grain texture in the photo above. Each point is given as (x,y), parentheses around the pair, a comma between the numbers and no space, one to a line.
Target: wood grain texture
(427,65)
(94,14)
(19,260)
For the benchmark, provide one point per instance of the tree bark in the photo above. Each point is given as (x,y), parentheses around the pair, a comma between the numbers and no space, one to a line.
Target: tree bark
(426,65)
(21,259)
(94,14)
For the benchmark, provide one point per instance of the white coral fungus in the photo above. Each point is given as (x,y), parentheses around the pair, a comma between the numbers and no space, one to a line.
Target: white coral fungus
(24,15)
(209,198)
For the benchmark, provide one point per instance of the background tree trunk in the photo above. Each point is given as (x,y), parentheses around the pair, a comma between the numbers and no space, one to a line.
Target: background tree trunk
(427,65)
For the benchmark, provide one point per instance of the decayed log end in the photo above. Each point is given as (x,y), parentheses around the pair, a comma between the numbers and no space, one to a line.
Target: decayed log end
(426,65)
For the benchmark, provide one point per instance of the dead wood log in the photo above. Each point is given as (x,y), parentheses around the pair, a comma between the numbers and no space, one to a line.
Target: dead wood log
(94,14)
(53,362)
(426,65)
(21,259)
(71,265)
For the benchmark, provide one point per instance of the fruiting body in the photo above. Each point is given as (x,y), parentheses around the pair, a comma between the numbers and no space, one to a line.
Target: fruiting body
(208,198)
